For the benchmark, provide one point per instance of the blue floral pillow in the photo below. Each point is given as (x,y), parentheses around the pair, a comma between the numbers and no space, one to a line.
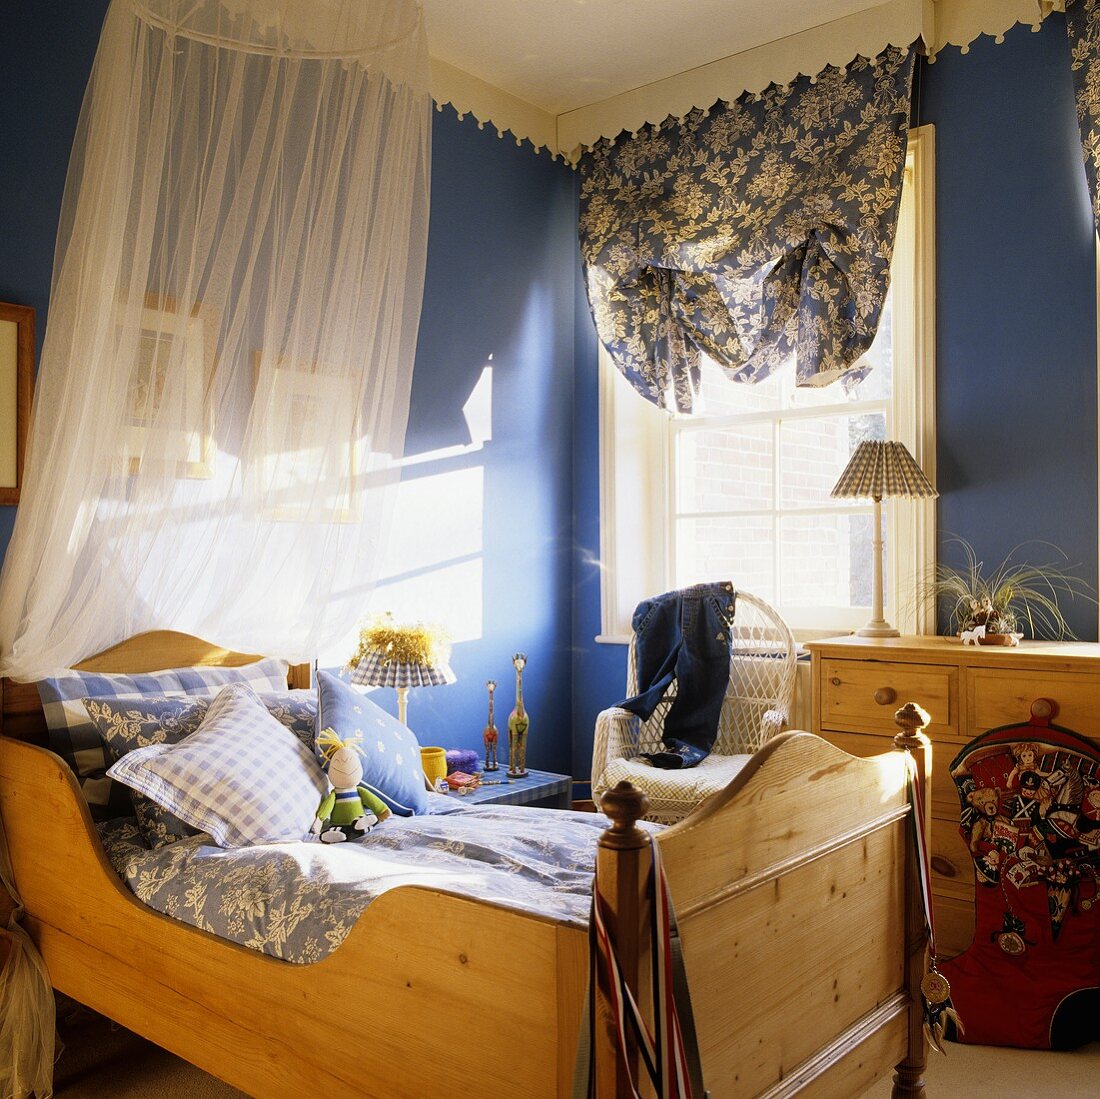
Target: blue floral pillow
(128,724)
(136,721)
(391,753)
(297,710)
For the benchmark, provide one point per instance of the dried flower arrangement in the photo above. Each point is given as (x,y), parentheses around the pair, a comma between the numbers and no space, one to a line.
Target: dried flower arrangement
(1012,595)
(402,643)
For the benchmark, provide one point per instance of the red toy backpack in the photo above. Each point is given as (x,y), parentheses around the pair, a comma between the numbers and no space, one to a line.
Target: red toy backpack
(1030,814)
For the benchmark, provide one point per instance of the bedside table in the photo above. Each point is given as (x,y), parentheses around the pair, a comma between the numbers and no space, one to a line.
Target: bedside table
(540,788)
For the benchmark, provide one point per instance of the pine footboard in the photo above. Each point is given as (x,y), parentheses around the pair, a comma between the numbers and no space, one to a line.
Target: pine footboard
(801,922)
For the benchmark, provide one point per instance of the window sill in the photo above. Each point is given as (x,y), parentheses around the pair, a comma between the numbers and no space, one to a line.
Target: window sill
(800,636)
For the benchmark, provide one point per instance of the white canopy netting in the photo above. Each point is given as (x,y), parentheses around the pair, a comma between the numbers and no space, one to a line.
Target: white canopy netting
(226,373)
(227,365)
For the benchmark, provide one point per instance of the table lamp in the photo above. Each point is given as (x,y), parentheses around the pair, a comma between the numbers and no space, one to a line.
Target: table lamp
(401,656)
(878,469)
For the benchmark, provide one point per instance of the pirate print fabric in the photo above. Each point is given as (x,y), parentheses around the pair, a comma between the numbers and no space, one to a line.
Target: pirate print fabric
(1029,797)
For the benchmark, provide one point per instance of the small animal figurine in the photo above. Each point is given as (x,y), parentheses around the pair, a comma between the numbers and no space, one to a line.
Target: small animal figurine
(349,809)
(518,723)
(972,637)
(491,736)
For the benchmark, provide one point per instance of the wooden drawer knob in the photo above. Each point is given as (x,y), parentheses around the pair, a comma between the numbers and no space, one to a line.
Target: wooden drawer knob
(943,866)
(835,681)
(1043,709)
(886,696)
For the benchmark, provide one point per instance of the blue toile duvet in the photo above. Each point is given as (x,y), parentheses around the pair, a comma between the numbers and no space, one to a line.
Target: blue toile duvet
(299,901)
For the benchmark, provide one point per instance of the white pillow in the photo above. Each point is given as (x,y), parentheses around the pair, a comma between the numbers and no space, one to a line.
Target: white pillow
(241,776)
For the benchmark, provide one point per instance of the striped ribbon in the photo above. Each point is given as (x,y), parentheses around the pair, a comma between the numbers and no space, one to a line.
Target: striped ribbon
(663,1050)
(924,862)
(935,990)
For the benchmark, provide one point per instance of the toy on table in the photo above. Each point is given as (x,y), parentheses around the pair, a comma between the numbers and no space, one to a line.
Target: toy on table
(461,759)
(434,762)
(490,735)
(349,809)
(518,723)
(462,783)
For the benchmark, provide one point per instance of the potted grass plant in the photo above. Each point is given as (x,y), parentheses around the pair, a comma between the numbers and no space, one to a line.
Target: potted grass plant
(1014,598)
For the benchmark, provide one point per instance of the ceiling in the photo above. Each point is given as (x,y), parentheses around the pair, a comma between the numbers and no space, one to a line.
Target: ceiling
(559,55)
(564,74)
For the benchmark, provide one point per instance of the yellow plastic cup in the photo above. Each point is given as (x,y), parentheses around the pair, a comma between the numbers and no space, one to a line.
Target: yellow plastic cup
(434,762)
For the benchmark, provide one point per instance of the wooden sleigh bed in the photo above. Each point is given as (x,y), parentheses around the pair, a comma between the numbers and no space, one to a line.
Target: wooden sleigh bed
(801,925)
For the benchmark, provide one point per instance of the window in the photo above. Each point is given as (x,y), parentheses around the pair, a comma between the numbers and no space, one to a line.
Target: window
(740,490)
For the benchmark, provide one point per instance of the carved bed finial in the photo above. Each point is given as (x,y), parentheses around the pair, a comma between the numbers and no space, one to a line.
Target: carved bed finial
(912,720)
(625,805)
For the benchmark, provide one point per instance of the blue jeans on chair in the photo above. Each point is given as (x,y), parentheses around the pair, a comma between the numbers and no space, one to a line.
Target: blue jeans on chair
(684,636)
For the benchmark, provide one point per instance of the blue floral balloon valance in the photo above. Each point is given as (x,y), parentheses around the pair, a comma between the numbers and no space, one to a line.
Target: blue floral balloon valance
(759,229)
(1083,28)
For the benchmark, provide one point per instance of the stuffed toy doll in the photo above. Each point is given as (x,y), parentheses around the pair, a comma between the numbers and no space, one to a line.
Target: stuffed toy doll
(349,809)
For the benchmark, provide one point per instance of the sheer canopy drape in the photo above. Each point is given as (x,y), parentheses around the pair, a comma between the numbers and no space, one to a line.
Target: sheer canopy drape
(759,229)
(232,325)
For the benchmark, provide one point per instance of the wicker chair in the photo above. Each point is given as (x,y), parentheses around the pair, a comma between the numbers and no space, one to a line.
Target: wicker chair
(756,707)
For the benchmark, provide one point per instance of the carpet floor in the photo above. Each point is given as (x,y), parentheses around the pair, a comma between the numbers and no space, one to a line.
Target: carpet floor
(102,1061)
(990,1072)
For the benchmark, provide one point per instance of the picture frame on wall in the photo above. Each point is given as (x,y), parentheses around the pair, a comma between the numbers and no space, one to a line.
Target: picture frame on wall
(169,391)
(299,408)
(16,391)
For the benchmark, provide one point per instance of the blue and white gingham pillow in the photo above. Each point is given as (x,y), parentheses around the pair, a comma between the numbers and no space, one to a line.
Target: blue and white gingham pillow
(241,776)
(76,740)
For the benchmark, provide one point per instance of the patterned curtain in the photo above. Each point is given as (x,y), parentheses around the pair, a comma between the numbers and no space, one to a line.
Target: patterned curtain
(759,229)
(1083,28)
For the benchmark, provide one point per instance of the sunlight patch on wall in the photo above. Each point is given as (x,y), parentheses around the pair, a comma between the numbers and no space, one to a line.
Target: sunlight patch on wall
(433,555)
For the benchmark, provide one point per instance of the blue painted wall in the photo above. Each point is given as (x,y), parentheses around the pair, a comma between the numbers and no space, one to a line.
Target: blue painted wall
(1016,303)
(45,57)
(500,281)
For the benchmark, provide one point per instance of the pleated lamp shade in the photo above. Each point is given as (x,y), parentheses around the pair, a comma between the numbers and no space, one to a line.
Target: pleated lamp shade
(374,671)
(878,470)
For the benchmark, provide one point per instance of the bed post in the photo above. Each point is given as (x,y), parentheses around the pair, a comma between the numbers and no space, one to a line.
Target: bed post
(623,862)
(909,1077)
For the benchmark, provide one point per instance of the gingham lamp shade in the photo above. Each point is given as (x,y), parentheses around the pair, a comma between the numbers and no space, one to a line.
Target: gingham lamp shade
(881,469)
(374,671)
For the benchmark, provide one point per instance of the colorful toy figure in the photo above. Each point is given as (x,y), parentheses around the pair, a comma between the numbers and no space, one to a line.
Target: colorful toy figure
(349,809)
(491,736)
(518,723)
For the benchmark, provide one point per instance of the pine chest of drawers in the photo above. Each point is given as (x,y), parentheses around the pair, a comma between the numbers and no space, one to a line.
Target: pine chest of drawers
(858,683)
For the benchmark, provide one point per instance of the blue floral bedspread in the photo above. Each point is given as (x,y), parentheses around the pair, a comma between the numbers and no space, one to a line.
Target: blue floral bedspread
(299,901)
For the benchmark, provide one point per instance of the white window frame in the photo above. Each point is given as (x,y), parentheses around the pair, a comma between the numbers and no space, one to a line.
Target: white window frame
(635,452)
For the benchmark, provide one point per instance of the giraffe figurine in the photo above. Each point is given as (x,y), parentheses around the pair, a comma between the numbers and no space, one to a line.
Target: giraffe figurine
(518,723)
(491,736)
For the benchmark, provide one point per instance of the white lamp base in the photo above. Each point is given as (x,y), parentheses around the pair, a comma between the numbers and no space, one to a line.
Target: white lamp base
(878,626)
(878,629)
